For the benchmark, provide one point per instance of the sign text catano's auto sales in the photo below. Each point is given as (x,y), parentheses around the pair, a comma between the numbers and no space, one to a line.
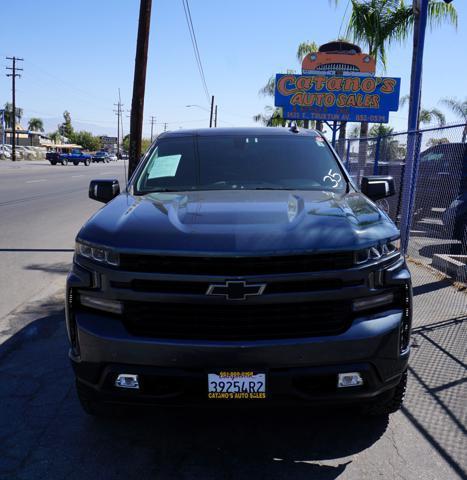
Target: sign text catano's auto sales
(333,97)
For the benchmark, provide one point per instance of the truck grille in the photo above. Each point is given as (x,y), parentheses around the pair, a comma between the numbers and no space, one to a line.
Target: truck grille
(236,322)
(236,266)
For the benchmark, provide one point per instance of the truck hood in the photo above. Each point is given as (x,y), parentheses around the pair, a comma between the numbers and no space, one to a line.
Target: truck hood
(246,222)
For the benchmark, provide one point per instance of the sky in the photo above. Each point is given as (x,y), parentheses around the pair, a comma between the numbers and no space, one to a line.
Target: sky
(78,53)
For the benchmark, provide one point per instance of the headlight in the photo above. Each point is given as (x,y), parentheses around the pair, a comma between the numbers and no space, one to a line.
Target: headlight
(98,254)
(378,252)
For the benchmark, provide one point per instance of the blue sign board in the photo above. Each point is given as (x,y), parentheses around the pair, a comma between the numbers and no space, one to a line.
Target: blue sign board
(337,98)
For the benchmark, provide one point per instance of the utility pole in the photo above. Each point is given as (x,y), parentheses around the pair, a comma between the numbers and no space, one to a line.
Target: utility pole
(212,111)
(420,8)
(153,121)
(165,127)
(139,84)
(118,112)
(215,117)
(13,76)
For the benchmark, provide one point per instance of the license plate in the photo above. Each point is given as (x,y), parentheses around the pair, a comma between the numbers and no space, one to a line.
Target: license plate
(228,385)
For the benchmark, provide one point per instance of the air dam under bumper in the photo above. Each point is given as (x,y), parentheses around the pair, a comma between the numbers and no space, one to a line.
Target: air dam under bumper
(298,370)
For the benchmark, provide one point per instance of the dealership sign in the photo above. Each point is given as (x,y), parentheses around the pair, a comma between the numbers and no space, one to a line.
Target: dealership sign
(337,97)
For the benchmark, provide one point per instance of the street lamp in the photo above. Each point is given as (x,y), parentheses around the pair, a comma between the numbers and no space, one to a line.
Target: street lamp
(206,110)
(198,106)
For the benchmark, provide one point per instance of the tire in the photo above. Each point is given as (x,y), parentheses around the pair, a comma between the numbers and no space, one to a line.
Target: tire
(87,162)
(75,163)
(64,163)
(386,405)
(93,407)
(53,163)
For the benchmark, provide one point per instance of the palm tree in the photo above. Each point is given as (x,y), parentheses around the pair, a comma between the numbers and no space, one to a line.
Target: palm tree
(9,114)
(305,48)
(378,23)
(426,116)
(269,90)
(36,124)
(271,118)
(459,108)
(388,145)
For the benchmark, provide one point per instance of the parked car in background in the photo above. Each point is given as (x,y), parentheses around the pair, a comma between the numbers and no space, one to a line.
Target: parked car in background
(101,156)
(443,168)
(113,157)
(5,153)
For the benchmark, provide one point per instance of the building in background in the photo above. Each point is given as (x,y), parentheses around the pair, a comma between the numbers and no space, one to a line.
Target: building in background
(24,137)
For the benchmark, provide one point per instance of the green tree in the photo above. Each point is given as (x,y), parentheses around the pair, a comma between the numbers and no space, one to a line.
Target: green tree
(389,148)
(9,115)
(378,23)
(66,128)
(126,143)
(87,140)
(459,108)
(55,136)
(426,116)
(145,143)
(36,124)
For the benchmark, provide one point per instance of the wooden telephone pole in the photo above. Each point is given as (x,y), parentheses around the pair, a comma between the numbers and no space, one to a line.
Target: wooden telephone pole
(139,84)
(13,76)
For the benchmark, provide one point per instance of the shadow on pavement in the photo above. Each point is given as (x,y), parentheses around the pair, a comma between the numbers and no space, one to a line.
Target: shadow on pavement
(44,434)
(58,268)
(443,249)
(435,404)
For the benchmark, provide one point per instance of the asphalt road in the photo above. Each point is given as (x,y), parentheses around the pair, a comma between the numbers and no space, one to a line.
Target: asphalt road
(42,207)
(44,433)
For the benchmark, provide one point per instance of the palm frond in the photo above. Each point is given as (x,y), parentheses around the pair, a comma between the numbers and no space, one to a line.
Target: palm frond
(458,107)
(404,100)
(305,48)
(438,12)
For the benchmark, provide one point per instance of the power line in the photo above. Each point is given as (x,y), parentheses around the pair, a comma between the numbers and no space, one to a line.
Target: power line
(186,8)
(343,18)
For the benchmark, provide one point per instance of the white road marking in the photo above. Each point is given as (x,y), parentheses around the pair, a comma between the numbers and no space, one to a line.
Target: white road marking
(76,176)
(38,180)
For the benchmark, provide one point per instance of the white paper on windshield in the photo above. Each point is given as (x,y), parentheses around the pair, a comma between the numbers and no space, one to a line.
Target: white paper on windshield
(165,166)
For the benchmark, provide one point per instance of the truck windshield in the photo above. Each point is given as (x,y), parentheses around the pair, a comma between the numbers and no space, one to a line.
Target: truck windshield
(239,162)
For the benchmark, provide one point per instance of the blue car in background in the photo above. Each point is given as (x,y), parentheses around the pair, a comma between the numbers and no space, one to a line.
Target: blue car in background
(76,156)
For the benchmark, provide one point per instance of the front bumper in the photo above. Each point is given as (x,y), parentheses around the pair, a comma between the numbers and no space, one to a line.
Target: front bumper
(174,372)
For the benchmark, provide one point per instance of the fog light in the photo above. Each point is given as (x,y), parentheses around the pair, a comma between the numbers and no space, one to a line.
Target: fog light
(373,302)
(99,303)
(127,380)
(350,379)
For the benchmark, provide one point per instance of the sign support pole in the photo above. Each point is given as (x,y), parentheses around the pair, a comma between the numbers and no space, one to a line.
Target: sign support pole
(413,145)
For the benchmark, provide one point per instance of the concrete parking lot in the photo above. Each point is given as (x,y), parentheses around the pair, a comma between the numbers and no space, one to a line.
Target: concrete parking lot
(44,433)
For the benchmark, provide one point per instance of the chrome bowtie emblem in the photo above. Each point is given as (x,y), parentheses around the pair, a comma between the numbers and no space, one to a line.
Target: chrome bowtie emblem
(236,290)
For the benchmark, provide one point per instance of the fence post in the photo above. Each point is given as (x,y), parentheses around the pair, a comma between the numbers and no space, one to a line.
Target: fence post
(375,166)
(347,155)
(409,186)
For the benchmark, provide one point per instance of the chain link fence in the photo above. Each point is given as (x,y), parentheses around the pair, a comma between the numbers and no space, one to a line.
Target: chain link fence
(430,205)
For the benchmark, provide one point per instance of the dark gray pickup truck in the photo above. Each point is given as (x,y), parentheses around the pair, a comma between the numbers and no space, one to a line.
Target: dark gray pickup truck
(239,266)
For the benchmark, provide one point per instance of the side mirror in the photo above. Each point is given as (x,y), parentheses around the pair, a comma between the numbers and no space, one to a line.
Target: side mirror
(103,190)
(378,186)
